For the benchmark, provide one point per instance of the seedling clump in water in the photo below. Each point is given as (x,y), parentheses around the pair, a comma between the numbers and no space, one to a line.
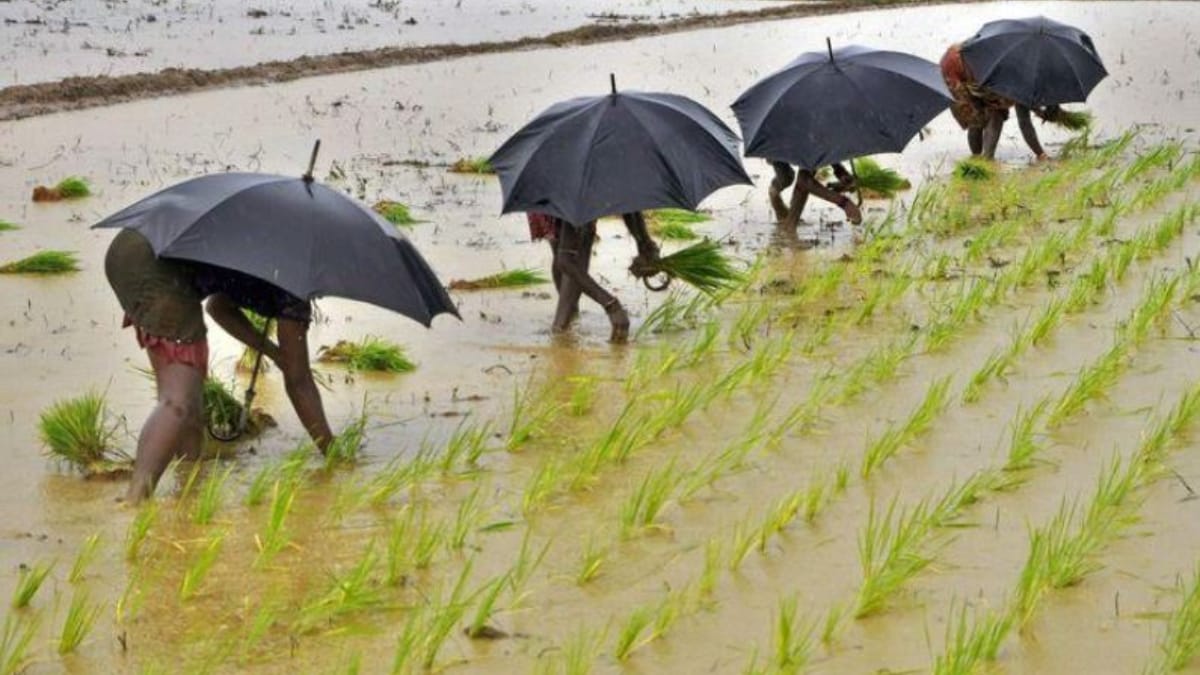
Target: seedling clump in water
(68,188)
(78,432)
(371,353)
(479,165)
(43,262)
(395,213)
(524,276)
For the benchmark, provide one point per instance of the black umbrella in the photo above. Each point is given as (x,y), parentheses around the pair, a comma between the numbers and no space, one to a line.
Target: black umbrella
(826,107)
(601,155)
(299,235)
(1034,61)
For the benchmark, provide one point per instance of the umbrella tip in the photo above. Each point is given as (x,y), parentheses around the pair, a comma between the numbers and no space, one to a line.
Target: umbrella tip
(312,162)
(829,46)
(612,82)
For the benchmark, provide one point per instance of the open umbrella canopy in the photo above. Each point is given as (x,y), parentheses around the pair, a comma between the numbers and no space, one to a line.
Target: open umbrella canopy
(299,235)
(595,156)
(830,106)
(1034,61)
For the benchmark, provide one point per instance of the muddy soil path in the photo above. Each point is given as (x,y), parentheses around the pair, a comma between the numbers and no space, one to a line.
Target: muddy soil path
(74,93)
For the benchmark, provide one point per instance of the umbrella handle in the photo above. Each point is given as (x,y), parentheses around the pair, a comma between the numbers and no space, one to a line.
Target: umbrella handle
(646,281)
(857,187)
(312,162)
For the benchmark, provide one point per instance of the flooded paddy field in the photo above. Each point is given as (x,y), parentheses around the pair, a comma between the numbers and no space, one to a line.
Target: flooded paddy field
(957,438)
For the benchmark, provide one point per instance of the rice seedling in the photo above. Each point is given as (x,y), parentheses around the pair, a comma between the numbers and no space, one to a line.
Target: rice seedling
(77,431)
(209,498)
(135,536)
(711,573)
(1072,120)
(674,224)
(779,516)
(816,497)
(996,365)
(974,169)
(29,582)
(527,562)
(542,485)
(591,560)
(446,616)
(408,642)
(345,447)
(476,165)
(370,354)
(6,226)
(430,539)
(275,536)
(1178,645)
(876,182)
(395,213)
(530,413)
(43,262)
(469,512)
(84,558)
(890,553)
(347,594)
(1023,445)
(628,638)
(880,449)
(81,616)
(1090,384)
(946,511)
(485,609)
(195,574)
(701,265)
(579,652)
(792,639)
(971,642)
(834,620)
(744,537)
(1041,327)
(923,416)
(640,510)
(15,639)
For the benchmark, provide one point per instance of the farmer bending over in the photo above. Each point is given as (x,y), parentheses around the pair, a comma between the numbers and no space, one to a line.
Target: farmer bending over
(982,112)
(162,301)
(806,183)
(571,248)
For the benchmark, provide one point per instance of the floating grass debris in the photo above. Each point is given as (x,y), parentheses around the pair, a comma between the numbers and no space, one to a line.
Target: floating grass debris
(371,353)
(974,168)
(395,213)
(476,165)
(703,266)
(77,431)
(877,182)
(43,262)
(523,276)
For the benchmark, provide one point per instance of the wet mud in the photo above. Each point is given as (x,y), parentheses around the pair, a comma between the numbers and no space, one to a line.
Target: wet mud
(74,93)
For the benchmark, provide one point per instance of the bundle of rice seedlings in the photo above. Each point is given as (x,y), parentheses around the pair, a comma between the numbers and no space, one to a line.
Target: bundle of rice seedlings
(371,353)
(73,187)
(43,262)
(77,431)
(701,265)
(395,213)
(974,168)
(675,223)
(524,276)
(472,165)
(876,182)
(6,226)
(223,409)
(1070,120)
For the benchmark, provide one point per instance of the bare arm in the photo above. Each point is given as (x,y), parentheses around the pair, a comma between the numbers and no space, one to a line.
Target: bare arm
(636,224)
(298,379)
(229,317)
(1028,132)
(809,182)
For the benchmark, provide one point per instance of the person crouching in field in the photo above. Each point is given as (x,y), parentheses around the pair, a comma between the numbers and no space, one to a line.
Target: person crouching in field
(806,183)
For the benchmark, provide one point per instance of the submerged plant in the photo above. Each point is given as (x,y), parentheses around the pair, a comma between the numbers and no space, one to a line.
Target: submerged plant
(77,431)
(43,262)
(523,276)
(370,353)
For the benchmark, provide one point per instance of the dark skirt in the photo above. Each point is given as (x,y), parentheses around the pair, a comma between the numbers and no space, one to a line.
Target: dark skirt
(157,295)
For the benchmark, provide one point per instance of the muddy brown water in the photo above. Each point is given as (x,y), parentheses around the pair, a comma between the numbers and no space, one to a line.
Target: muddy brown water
(60,336)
